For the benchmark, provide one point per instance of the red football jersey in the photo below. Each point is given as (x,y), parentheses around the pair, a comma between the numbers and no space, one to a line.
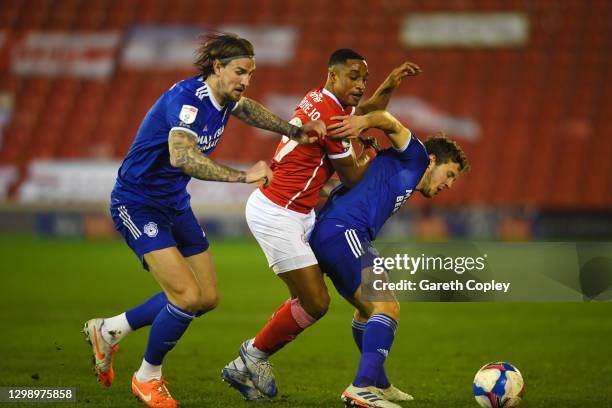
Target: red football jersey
(300,170)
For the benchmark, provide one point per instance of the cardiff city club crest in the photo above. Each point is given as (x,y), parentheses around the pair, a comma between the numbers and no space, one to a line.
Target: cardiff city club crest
(151,229)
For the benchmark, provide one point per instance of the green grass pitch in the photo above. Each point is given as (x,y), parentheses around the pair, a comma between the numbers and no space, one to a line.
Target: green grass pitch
(50,287)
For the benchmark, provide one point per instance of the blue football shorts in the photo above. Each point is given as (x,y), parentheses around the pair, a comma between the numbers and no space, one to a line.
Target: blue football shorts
(147,229)
(343,253)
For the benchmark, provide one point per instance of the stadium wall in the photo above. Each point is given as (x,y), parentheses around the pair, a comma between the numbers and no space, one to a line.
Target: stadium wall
(420,224)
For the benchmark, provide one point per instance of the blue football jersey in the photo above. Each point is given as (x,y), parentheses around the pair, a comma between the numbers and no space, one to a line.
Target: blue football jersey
(389,181)
(146,176)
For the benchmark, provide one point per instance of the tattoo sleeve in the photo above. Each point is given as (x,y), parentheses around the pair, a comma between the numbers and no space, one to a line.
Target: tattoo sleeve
(184,154)
(257,115)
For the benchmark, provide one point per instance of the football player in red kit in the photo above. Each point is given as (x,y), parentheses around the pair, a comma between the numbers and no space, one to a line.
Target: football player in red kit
(281,216)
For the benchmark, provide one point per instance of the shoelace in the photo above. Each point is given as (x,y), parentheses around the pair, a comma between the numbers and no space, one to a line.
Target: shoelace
(163,391)
(263,367)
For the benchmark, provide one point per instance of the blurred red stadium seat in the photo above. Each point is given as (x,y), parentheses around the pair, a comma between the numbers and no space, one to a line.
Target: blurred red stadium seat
(538,105)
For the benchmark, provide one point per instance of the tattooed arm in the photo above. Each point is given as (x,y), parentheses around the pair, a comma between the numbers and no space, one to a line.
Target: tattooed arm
(185,155)
(255,114)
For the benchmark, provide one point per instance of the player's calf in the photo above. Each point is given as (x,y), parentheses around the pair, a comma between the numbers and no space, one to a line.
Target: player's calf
(315,306)
(289,320)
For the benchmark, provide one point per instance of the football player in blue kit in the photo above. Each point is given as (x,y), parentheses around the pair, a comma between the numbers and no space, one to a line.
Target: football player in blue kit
(350,221)
(151,209)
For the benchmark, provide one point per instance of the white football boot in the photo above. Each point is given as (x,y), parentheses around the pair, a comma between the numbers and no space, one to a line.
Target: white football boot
(101,350)
(241,381)
(394,394)
(260,371)
(366,397)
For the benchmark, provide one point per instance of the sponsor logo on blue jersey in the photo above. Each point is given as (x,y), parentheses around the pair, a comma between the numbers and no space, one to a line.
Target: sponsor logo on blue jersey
(207,141)
(146,175)
(400,200)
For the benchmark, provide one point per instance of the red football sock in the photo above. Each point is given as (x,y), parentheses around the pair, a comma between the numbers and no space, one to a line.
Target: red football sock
(289,320)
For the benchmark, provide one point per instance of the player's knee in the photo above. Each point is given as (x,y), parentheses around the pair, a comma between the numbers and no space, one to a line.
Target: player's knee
(208,303)
(360,316)
(316,306)
(391,309)
(189,299)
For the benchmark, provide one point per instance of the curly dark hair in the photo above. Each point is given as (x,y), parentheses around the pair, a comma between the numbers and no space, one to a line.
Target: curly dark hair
(341,55)
(446,150)
(223,47)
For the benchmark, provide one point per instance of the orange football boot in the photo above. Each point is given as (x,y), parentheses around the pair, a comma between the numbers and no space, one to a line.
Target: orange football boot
(102,351)
(153,393)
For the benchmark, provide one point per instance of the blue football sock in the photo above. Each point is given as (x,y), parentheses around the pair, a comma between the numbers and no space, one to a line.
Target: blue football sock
(358,329)
(382,381)
(144,314)
(376,344)
(166,330)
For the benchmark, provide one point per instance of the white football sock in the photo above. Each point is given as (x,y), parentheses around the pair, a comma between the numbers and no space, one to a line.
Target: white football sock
(255,352)
(148,372)
(115,328)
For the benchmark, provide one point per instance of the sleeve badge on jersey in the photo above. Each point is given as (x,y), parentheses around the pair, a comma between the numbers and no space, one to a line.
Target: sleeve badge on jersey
(316,96)
(188,114)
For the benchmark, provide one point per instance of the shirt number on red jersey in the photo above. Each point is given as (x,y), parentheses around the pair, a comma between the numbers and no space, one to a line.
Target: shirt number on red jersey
(287,145)
(284,148)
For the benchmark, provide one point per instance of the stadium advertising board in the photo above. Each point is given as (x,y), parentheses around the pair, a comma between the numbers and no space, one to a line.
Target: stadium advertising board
(172,47)
(79,54)
(497,29)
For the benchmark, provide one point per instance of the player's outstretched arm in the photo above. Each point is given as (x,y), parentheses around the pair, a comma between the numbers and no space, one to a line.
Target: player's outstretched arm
(185,155)
(381,97)
(352,126)
(351,168)
(328,187)
(255,114)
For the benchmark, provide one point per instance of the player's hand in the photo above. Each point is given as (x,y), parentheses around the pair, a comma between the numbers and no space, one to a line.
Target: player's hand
(311,132)
(347,127)
(370,141)
(260,173)
(406,69)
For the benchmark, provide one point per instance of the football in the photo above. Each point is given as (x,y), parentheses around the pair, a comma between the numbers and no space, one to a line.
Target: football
(498,385)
